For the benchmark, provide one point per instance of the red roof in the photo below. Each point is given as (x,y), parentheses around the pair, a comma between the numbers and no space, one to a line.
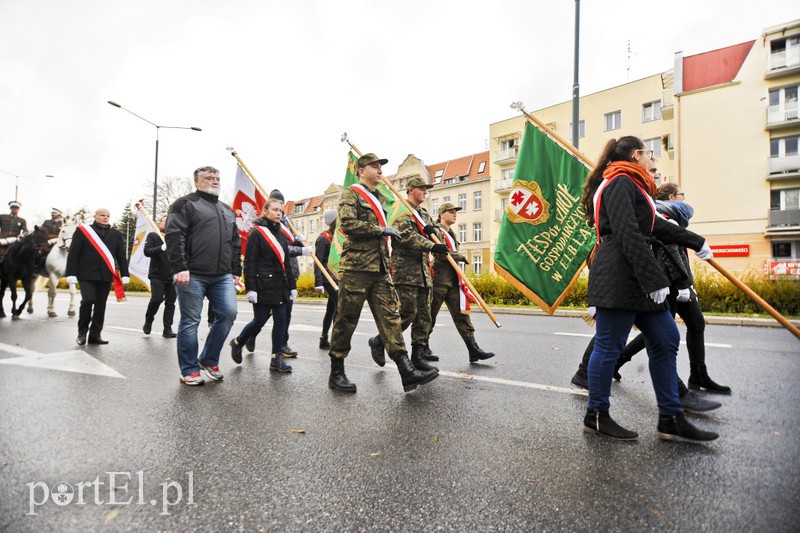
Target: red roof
(466,167)
(714,68)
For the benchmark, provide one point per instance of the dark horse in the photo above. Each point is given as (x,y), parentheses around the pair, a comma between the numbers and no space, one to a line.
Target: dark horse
(20,263)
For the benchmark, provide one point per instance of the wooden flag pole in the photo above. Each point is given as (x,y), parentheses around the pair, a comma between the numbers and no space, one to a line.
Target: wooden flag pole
(291,226)
(756,298)
(733,279)
(150,222)
(435,239)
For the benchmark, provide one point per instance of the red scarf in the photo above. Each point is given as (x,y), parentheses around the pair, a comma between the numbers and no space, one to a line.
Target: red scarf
(638,174)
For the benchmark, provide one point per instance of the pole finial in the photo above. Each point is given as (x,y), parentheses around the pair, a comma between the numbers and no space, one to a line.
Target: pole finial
(518,105)
(344,138)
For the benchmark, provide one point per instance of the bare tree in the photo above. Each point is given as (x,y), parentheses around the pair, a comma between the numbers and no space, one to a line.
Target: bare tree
(169,190)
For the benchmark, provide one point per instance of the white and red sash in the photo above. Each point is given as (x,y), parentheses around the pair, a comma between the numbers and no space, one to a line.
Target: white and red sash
(377,208)
(598,195)
(288,233)
(465,296)
(273,243)
(327,237)
(108,258)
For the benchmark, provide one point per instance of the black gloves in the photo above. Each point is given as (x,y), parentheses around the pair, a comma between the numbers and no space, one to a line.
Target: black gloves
(429,230)
(439,249)
(388,230)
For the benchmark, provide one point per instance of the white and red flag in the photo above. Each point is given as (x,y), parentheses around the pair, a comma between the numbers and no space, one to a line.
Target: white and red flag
(247,204)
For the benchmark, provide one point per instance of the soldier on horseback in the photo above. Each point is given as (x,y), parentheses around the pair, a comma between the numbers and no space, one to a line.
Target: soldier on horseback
(53,226)
(12,225)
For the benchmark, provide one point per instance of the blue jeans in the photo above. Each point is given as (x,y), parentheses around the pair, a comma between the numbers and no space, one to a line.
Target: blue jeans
(662,338)
(222,296)
(261,313)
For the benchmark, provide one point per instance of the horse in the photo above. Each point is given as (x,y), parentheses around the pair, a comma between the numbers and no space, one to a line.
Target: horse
(19,264)
(55,267)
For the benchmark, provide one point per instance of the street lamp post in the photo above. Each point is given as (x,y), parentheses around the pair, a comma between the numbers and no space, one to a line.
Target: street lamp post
(158,127)
(17,177)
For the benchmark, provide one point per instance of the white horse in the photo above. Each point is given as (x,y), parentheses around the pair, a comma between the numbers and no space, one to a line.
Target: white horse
(56,266)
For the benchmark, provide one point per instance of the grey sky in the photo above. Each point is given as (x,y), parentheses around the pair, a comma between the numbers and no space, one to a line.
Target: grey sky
(281,81)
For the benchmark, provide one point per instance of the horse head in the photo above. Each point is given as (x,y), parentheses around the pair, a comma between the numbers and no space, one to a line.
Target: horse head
(66,233)
(39,240)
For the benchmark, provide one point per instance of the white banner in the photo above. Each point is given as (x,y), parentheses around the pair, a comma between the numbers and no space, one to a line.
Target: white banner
(139,265)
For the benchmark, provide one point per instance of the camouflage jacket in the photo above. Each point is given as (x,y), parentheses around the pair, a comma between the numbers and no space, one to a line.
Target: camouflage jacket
(443,273)
(52,227)
(410,264)
(365,248)
(11,226)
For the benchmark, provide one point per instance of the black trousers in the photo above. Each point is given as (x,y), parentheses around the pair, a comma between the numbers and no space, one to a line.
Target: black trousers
(92,312)
(161,291)
(330,309)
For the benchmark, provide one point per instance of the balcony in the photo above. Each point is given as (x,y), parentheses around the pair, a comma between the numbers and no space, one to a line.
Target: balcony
(667,105)
(782,116)
(784,167)
(783,63)
(508,155)
(498,215)
(784,222)
(503,184)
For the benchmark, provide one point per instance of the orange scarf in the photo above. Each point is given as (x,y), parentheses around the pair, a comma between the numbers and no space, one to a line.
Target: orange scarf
(638,174)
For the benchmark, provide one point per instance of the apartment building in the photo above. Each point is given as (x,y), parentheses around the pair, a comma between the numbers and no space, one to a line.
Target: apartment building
(306,216)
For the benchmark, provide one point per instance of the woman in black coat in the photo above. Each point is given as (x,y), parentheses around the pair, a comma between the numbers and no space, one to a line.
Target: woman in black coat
(628,286)
(322,249)
(267,283)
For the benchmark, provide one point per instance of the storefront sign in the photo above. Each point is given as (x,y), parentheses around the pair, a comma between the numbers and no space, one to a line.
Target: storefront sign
(784,268)
(731,250)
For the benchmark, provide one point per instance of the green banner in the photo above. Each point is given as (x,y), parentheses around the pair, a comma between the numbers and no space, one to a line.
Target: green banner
(544,240)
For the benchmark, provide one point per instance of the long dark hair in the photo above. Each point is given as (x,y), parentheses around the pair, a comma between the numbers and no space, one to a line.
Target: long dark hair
(615,150)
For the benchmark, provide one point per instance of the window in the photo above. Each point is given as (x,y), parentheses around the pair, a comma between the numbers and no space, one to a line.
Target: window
(435,207)
(783,199)
(507,174)
(299,208)
(651,111)
(462,201)
(612,121)
(477,200)
(785,249)
(503,203)
(783,104)
(462,232)
(785,53)
(445,199)
(477,263)
(783,147)
(481,167)
(437,177)
(313,226)
(449,181)
(653,144)
(477,232)
(581,129)
(508,144)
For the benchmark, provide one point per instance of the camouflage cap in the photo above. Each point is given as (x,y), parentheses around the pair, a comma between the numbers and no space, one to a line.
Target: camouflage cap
(448,206)
(417,182)
(368,159)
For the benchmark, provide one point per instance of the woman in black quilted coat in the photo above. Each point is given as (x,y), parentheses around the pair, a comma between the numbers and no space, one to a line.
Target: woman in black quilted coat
(628,286)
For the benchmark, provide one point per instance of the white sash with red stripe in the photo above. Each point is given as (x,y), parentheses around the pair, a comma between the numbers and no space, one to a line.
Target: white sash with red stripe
(288,233)
(597,197)
(465,296)
(376,206)
(273,243)
(108,258)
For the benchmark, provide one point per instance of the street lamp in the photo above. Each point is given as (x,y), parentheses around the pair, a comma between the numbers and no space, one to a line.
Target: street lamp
(158,127)
(16,186)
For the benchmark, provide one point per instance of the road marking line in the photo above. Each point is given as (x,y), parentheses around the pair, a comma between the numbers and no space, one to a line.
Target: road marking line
(70,361)
(590,335)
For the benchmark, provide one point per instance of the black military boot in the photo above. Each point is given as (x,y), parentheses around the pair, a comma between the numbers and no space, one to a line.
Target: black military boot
(475,352)
(600,422)
(428,355)
(676,427)
(698,379)
(417,358)
(411,376)
(338,380)
(376,347)
(323,342)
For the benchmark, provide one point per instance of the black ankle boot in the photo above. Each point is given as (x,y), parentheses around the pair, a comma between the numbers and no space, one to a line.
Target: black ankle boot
(323,342)
(428,355)
(412,377)
(417,358)
(676,427)
(376,348)
(148,326)
(620,363)
(600,422)
(580,379)
(338,380)
(475,352)
(698,379)
(250,344)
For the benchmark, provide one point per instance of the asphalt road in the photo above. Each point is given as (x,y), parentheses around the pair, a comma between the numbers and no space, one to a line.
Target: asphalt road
(106,438)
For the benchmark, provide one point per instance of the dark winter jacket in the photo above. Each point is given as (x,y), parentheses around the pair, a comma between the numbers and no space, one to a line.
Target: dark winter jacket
(625,270)
(322,249)
(159,270)
(263,272)
(202,236)
(86,263)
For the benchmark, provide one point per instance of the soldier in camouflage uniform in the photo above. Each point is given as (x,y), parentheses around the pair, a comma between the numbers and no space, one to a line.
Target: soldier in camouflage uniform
(446,287)
(411,272)
(53,226)
(12,225)
(364,275)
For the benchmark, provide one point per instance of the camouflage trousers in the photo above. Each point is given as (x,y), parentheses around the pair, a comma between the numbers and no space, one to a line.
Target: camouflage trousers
(415,311)
(450,296)
(378,290)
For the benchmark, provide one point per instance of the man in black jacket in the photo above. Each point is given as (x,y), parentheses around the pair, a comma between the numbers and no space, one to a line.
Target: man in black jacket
(92,246)
(161,287)
(203,247)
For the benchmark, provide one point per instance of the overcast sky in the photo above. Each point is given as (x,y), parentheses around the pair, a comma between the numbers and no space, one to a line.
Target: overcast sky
(282,80)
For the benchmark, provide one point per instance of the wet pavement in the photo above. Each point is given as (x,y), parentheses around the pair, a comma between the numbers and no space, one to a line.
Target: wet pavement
(105,437)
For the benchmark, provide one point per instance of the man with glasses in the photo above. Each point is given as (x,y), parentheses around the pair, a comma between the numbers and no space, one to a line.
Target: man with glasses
(203,247)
